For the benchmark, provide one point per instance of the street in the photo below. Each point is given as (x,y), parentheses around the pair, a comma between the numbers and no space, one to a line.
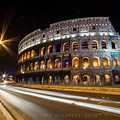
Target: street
(31,104)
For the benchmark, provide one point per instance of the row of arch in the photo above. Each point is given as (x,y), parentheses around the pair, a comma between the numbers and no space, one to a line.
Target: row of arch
(58,63)
(66,47)
(75,80)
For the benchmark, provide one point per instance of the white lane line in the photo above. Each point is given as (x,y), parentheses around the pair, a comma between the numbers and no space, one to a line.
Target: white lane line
(88,105)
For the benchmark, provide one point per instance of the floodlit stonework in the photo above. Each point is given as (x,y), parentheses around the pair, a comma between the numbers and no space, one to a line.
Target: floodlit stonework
(83,51)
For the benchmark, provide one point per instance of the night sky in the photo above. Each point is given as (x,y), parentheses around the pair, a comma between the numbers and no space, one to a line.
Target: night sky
(24,16)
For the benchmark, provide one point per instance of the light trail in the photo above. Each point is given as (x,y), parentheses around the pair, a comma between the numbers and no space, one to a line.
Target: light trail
(65,95)
(72,102)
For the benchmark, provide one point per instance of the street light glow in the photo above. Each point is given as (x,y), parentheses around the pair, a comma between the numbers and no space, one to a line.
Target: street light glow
(4,41)
(4,75)
(7,49)
(0,41)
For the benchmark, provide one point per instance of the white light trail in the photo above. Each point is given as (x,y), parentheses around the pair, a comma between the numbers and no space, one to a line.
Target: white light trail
(73,102)
(66,95)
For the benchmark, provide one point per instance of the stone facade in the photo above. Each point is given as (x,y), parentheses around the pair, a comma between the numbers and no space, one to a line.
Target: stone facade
(84,51)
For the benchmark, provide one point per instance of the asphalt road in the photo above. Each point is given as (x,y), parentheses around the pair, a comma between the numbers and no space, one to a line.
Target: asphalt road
(32,105)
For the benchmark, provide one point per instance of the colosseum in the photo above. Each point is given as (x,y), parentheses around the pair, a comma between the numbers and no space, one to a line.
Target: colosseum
(82,51)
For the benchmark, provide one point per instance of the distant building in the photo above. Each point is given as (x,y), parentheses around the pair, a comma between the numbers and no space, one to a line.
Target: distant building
(83,51)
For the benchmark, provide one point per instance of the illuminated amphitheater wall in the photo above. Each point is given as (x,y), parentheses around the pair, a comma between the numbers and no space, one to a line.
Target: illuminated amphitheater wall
(83,51)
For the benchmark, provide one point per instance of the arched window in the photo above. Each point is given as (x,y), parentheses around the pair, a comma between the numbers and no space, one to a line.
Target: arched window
(75,46)
(57,80)
(57,63)
(117,78)
(32,53)
(25,56)
(86,79)
(27,68)
(104,44)
(50,80)
(42,52)
(85,45)
(42,65)
(97,79)
(23,69)
(31,66)
(50,49)
(115,62)
(49,64)
(94,45)
(96,62)
(114,44)
(106,62)
(85,62)
(66,62)
(66,79)
(76,79)
(36,66)
(75,62)
(58,47)
(107,78)
(65,47)
(28,55)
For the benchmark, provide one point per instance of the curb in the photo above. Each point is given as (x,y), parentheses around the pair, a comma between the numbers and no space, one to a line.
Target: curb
(100,90)
(6,114)
(12,115)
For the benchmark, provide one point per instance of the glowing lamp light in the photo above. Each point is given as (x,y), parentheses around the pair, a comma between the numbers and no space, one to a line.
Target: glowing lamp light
(67,63)
(76,65)
(4,75)
(84,68)
(0,41)
(59,64)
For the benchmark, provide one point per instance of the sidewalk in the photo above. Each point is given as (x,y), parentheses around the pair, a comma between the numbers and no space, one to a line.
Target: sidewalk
(2,117)
(114,90)
(4,114)
(7,112)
